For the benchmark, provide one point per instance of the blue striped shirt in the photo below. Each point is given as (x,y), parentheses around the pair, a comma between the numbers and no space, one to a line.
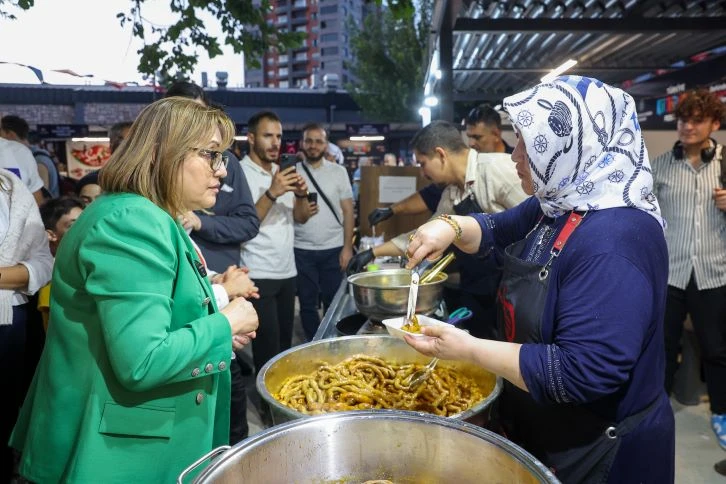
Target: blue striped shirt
(696,232)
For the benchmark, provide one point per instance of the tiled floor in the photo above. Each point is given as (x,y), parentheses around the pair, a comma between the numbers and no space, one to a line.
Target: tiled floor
(696,448)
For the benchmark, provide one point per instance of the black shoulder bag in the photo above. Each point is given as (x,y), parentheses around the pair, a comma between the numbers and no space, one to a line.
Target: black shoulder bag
(321,193)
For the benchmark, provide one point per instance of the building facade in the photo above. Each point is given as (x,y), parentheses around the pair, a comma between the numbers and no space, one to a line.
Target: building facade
(324,54)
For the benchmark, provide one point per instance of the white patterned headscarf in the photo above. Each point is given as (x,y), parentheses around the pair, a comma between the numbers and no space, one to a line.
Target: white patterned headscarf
(585,147)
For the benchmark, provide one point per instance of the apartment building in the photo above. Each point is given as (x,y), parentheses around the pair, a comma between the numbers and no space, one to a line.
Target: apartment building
(325,50)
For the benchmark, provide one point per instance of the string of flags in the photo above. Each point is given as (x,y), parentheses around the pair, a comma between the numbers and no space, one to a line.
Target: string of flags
(39,74)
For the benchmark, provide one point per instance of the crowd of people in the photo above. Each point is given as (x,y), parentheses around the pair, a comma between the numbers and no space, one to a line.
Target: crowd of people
(579,256)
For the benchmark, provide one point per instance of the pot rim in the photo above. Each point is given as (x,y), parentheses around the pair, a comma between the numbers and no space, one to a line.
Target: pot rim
(521,455)
(265,394)
(353,279)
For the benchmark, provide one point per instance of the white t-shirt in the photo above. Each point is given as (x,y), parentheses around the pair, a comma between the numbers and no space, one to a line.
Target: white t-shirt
(270,254)
(17,158)
(322,231)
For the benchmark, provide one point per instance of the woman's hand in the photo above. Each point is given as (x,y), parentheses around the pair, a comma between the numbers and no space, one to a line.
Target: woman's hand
(445,342)
(239,341)
(429,242)
(190,221)
(241,315)
(237,283)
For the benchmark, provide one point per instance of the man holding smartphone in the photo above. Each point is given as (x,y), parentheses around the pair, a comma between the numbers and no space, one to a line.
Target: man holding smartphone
(281,200)
(323,245)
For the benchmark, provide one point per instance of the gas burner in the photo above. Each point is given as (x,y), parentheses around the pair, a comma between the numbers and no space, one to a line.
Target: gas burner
(357,323)
(372,327)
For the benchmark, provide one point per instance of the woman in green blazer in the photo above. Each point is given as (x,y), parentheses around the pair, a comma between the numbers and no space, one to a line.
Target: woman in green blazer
(133,385)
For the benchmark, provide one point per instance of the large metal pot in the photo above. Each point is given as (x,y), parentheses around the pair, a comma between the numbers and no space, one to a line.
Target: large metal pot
(354,447)
(384,294)
(306,358)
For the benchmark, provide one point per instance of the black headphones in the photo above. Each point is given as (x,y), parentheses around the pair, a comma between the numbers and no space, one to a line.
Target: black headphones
(707,154)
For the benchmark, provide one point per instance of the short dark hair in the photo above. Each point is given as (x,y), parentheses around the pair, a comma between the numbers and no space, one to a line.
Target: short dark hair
(115,134)
(188,90)
(702,103)
(16,124)
(54,209)
(256,118)
(316,127)
(484,113)
(442,134)
(88,179)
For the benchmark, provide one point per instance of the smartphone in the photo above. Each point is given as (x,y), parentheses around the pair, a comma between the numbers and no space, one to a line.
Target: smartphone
(287,160)
(312,197)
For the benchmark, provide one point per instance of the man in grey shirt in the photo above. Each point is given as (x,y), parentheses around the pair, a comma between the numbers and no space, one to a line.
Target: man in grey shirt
(688,183)
(324,244)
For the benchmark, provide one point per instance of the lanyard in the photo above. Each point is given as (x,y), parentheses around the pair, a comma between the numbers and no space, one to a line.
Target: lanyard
(573,220)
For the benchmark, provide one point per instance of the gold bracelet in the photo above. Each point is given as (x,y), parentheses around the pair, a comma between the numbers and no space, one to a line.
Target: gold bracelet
(453,223)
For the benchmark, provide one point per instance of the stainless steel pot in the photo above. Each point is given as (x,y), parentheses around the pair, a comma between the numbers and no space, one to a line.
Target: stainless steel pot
(354,447)
(384,294)
(307,357)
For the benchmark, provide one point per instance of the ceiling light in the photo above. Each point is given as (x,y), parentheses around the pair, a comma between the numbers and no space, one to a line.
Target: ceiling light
(559,70)
(367,138)
(425,114)
(431,101)
(91,140)
(241,138)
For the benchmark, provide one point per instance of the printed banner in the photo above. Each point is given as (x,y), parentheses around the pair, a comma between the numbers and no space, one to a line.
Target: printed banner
(86,156)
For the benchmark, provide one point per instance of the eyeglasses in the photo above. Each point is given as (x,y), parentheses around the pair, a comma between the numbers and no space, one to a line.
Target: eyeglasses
(217,159)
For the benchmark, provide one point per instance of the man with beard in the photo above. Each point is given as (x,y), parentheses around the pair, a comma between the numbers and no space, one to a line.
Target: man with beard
(324,245)
(281,199)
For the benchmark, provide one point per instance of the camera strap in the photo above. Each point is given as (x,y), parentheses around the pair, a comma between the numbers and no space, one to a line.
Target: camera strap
(321,193)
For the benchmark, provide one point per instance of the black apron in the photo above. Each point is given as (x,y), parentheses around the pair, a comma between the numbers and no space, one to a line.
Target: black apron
(479,279)
(576,443)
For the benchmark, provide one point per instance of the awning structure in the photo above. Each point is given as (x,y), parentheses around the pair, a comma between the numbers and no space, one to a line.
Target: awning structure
(483,51)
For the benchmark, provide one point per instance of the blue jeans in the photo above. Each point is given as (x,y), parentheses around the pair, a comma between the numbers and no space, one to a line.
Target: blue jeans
(318,277)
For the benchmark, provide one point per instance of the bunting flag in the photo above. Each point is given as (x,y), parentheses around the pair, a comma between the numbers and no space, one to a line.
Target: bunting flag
(39,74)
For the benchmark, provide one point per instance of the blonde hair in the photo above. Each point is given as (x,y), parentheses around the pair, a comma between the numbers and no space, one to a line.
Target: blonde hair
(148,161)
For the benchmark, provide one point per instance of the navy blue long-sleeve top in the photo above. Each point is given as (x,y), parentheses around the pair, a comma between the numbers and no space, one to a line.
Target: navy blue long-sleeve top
(231,221)
(602,320)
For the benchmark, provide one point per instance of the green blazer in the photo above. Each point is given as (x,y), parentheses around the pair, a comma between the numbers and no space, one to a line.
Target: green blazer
(133,384)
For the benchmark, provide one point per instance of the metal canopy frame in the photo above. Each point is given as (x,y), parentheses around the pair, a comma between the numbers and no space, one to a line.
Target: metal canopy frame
(483,51)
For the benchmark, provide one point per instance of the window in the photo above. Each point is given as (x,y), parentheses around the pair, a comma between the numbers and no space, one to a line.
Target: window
(284,84)
(282,72)
(329,51)
(329,9)
(282,59)
(329,37)
(282,19)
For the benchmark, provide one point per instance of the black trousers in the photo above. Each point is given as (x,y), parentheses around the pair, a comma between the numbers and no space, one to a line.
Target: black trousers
(708,314)
(12,363)
(238,427)
(276,311)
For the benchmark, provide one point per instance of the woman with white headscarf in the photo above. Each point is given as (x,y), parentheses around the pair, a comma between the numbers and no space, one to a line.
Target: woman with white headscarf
(582,298)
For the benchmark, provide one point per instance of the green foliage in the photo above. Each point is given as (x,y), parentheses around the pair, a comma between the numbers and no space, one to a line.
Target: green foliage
(389,52)
(22,4)
(173,50)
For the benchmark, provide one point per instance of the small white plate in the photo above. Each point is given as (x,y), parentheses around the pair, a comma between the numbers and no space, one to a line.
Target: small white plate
(393,325)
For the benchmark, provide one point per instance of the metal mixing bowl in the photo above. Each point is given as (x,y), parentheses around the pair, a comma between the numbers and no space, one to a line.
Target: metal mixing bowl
(353,447)
(384,294)
(306,358)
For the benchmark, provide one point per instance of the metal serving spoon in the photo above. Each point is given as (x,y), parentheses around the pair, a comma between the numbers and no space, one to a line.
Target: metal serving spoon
(412,296)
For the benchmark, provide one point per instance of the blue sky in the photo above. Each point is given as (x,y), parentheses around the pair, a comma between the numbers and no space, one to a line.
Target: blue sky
(85,36)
